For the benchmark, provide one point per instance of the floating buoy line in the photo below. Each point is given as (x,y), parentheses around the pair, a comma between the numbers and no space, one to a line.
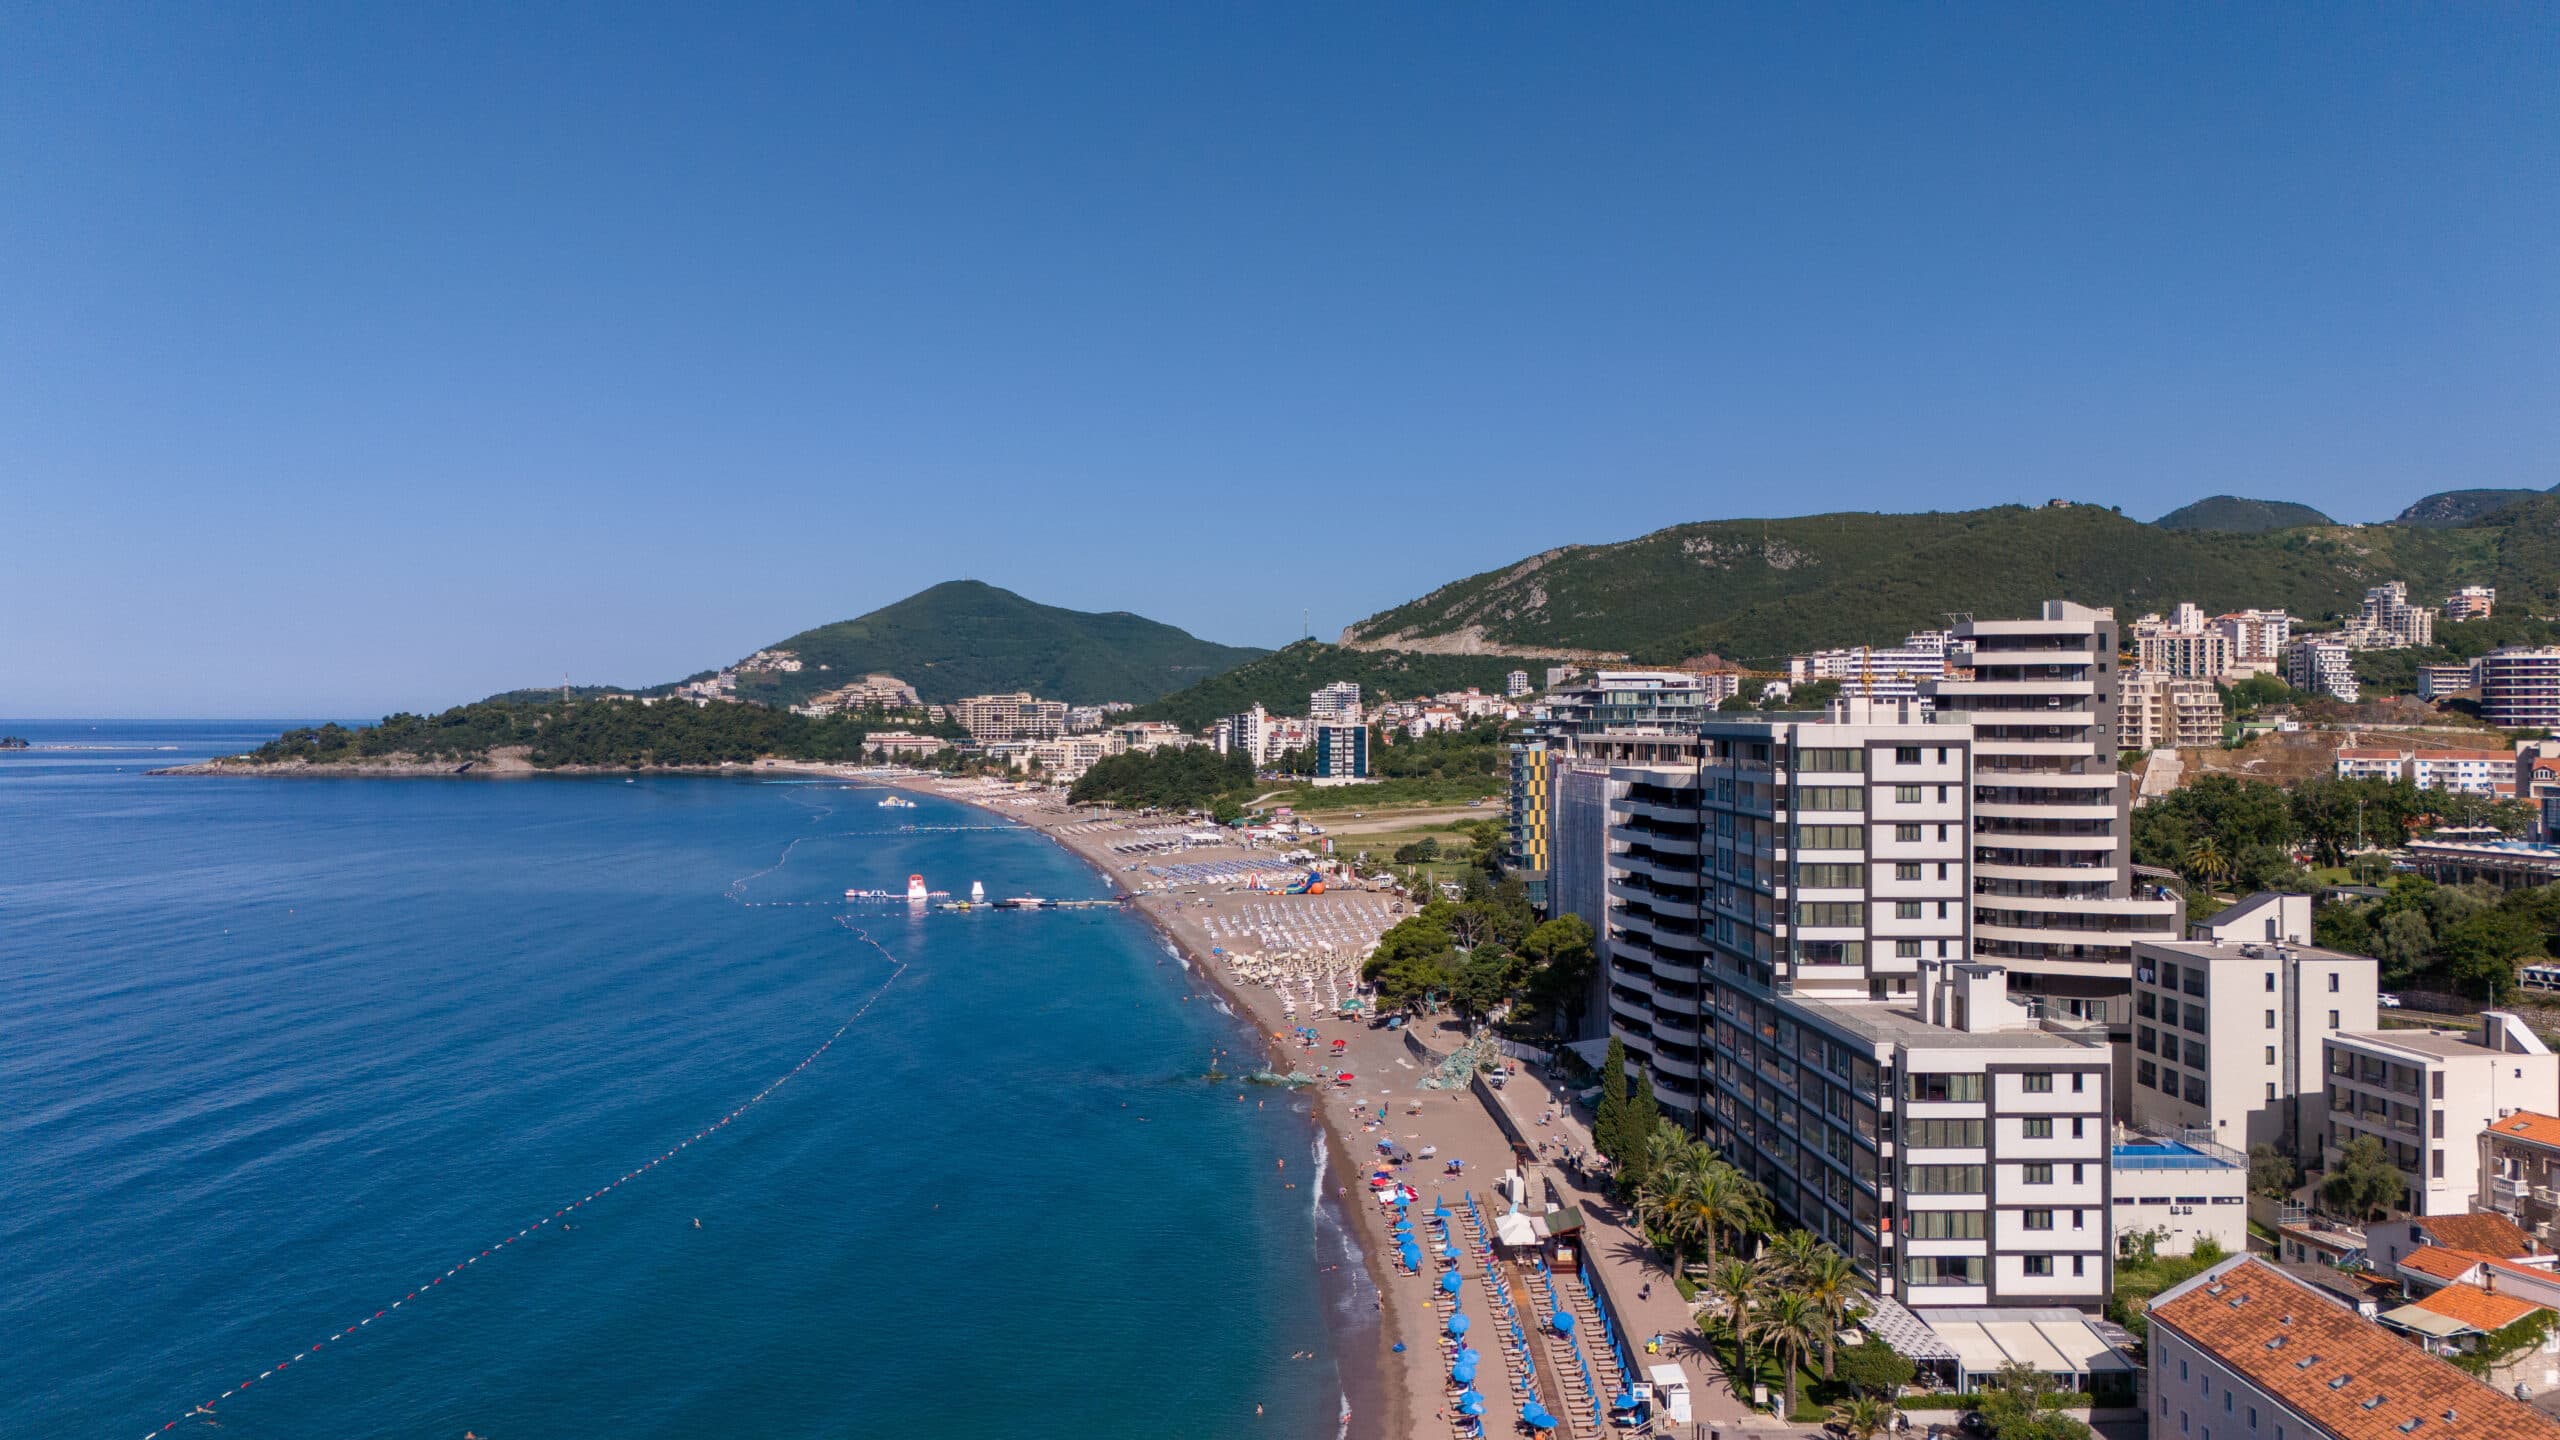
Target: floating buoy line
(899,967)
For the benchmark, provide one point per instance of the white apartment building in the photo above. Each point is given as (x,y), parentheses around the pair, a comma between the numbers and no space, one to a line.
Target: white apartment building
(1248,734)
(1335,704)
(2176,1188)
(1900,673)
(2055,896)
(2245,1351)
(1143,735)
(2470,772)
(2323,667)
(2471,602)
(2387,621)
(2153,711)
(2189,652)
(1062,757)
(2437,681)
(2258,637)
(1515,684)
(1786,937)
(2230,1039)
(2427,1095)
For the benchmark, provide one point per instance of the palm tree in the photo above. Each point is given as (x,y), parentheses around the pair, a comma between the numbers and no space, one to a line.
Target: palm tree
(2206,862)
(1735,1283)
(1863,1417)
(1791,1254)
(1725,1201)
(1834,1284)
(1789,1323)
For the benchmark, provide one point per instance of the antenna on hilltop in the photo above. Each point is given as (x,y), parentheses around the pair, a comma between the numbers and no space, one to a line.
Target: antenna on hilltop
(564,684)
(1306,626)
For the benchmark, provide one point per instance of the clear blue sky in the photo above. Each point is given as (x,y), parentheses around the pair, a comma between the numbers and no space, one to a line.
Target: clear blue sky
(368,356)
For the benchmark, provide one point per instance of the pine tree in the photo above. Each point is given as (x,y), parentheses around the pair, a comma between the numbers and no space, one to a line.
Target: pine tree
(1608,1123)
(1637,1121)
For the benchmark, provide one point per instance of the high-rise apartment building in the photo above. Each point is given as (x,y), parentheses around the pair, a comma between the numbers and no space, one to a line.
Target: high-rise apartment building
(2471,602)
(1515,684)
(2322,667)
(2055,896)
(1342,754)
(2200,652)
(1787,931)
(2258,637)
(2230,1037)
(1639,702)
(2387,621)
(1335,704)
(2520,688)
(2428,1094)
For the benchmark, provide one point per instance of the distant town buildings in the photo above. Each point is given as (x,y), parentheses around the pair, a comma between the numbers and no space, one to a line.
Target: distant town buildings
(2322,667)
(2470,772)
(1899,673)
(904,744)
(2435,682)
(2520,688)
(998,719)
(2153,711)
(2258,638)
(2387,621)
(887,692)
(1559,674)
(2471,602)
(1335,704)
(1145,735)
(779,661)
(1516,684)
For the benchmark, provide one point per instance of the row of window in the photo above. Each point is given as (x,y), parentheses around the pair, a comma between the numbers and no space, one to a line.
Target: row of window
(1969,1269)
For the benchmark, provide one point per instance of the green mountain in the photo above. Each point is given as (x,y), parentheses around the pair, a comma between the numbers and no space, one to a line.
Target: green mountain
(1281,680)
(2452,509)
(2241,516)
(965,637)
(1757,590)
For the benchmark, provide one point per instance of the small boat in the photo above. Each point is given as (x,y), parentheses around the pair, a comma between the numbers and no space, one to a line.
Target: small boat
(896,802)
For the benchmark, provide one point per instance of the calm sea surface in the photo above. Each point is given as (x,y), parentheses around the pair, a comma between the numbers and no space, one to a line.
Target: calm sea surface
(274,1054)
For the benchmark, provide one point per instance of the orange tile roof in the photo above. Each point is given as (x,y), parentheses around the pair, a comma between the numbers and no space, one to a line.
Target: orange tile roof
(2440,1262)
(2259,1306)
(2480,1234)
(2477,1308)
(2529,1125)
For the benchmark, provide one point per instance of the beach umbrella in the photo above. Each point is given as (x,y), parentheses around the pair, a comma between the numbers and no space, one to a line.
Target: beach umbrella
(1471,1408)
(1470,1393)
(1464,1372)
(1449,1281)
(1537,1417)
(1449,1252)
(1399,1347)
(1404,1227)
(1627,1401)
(1564,1322)
(1440,1207)
(1458,1323)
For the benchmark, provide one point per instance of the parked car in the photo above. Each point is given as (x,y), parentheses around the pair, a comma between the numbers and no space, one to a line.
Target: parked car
(2387,1002)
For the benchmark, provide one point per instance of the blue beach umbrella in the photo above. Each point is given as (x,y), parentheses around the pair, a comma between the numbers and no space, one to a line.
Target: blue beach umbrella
(1449,1252)
(1471,1408)
(1464,1372)
(1440,1207)
(1627,1401)
(1470,1393)
(1538,1417)
(1399,1347)
(1449,1281)
(1404,1227)
(1458,1323)
(1564,1322)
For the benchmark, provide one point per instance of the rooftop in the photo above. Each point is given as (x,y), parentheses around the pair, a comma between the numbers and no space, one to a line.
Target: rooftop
(1884,1022)
(2444,1044)
(2482,1234)
(2527,1125)
(2207,950)
(2441,1263)
(2477,1308)
(2351,1378)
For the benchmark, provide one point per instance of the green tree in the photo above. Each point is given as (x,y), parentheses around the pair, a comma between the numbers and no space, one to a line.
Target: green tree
(1834,1285)
(1874,1368)
(2272,1173)
(2364,1185)
(1637,1122)
(2481,950)
(2404,942)
(1790,1324)
(1862,1417)
(1728,1203)
(1608,1121)
(2025,1404)
(1561,959)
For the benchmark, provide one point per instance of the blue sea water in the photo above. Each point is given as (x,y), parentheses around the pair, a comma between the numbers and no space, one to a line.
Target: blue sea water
(275,1053)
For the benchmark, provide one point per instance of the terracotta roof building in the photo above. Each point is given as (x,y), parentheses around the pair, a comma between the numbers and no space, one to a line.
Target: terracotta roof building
(2254,1354)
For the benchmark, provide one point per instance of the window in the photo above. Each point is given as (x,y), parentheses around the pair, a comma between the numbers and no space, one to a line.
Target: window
(2333,982)
(2039,1264)
(1942,1270)
(2039,1219)
(1832,762)
(1906,754)
(2439,1128)
(2271,1089)
(1944,1134)
(1830,797)
(1906,833)
(2270,978)
(1830,837)
(1945,1087)
(2039,1174)
(1906,949)
(2079,1219)
(2146,1075)
(1943,1180)
(1942,869)
(1908,870)
(2080,1078)
(2037,1083)
(1946,1224)
(2438,1085)
(1906,794)
(1831,912)
(2079,1127)
(2271,1054)
(2436,1170)
(2271,1019)
(1832,877)
(2078,1174)
(2039,1127)
(1906,909)
(2333,1019)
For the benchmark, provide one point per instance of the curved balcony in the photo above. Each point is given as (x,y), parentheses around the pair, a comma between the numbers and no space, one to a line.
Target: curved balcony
(1661,838)
(1637,893)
